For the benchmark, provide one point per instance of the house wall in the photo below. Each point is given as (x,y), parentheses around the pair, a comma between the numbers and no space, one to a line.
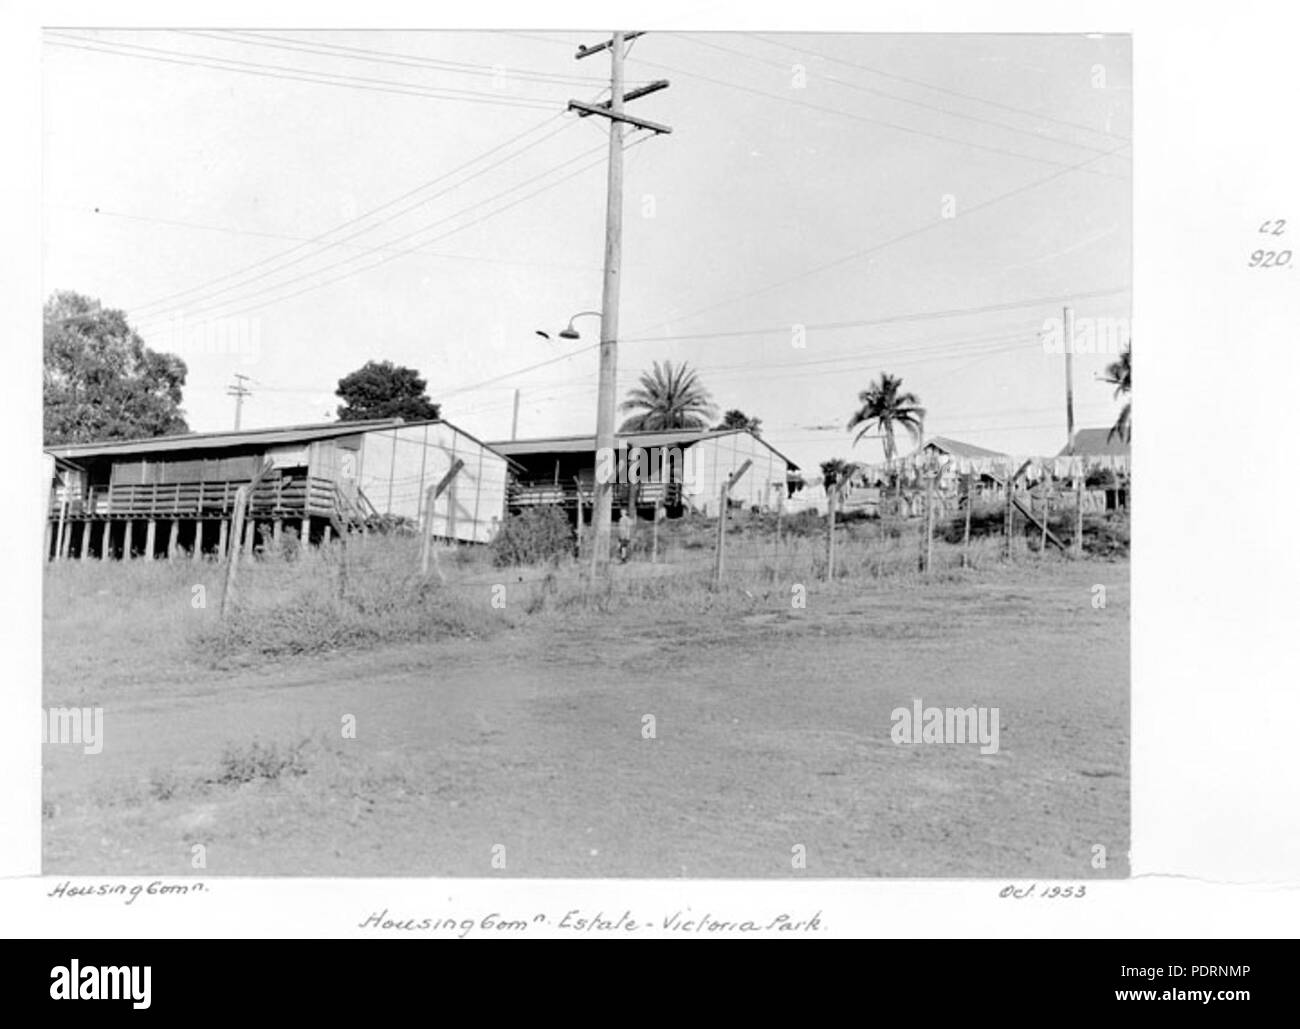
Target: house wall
(711,461)
(184,466)
(396,466)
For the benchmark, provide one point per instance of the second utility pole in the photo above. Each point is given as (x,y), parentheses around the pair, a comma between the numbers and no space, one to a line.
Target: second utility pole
(612,109)
(605,410)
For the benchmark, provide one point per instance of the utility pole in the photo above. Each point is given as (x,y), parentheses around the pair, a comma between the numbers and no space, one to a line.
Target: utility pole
(514,420)
(607,401)
(1069,427)
(1069,378)
(239,391)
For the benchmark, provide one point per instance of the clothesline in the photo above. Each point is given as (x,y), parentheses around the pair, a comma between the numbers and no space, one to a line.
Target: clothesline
(1060,467)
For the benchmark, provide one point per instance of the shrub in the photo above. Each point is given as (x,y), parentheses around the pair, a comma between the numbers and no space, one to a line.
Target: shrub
(806,523)
(1106,535)
(260,761)
(533,536)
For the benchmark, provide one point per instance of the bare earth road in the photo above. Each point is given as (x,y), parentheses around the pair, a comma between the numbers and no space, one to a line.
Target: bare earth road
(770,733)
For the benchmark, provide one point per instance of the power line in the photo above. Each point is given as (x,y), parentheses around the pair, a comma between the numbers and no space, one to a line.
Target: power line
(922,316)
(362,231)
(393,254)
(282,72)
(939,89)
(359,218)
(893,319)
(879,121)
(896,97)
(389,57)
(411,250)
(877,247)
(230,230)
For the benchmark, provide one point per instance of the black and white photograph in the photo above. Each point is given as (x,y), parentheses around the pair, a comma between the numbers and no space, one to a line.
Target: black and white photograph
(654,454)
(506,475)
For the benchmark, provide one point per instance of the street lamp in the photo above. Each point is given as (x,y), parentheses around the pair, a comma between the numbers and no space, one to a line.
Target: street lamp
(569,332)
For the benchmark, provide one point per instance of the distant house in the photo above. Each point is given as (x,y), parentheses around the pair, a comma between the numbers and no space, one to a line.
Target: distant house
(1105,458)
(947,447)
(119,497)
(682,469)
(1092,443)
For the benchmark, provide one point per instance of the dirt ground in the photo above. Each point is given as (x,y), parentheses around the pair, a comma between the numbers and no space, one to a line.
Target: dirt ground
(771,733)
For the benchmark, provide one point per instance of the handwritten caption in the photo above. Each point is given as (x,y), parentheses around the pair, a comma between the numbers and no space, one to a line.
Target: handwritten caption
(1053,892)
(1261,258)
(128,892)
(579,922)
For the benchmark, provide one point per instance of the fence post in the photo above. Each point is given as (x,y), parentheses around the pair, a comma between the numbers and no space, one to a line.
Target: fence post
(577,486)
(1047,511)
(432,494)
(723,493)
(970,503)
(929,518)
(654,537)
(832,495)
(780,509)
(1009,516)
(633,495)
(61,544)
(232,561)
(1078,513)
(426,530)
(722,533)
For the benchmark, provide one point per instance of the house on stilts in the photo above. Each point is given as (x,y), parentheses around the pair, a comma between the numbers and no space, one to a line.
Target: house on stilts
(172,494)
(676,469)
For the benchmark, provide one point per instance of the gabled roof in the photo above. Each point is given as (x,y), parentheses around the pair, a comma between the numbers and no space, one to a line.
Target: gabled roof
(587,444)
(239,438)
(1096,443)
(957,448)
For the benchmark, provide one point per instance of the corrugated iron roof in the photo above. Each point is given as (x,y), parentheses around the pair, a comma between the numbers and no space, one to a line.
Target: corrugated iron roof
(240,438)
(959,449)
(582,444)
(1096,443)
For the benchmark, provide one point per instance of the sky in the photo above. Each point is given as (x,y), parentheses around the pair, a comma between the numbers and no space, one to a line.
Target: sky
(287,205)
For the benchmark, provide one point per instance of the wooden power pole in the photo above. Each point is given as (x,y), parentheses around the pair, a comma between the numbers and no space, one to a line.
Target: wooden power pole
(1069,378)
(239,391)
(611,109)
(1069,428)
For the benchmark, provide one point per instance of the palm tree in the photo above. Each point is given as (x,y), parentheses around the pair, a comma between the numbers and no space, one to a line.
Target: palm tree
(1119,373)
(884,406)
(668,398)
(736,419)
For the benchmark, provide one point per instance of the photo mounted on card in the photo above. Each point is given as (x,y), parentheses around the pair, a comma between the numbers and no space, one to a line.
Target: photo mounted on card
(586,454)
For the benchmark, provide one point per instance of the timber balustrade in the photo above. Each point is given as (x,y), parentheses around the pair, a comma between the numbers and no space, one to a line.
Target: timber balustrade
(541,492)
(279,496)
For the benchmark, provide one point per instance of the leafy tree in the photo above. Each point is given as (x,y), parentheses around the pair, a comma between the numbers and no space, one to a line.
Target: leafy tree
(668,398)
(381,389)
(100,381)
(885,406)
(736,419)
(834,471)
(1119,373)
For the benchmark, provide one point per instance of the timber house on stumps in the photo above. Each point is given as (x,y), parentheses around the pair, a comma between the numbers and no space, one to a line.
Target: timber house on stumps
(173,494)
(678,470)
